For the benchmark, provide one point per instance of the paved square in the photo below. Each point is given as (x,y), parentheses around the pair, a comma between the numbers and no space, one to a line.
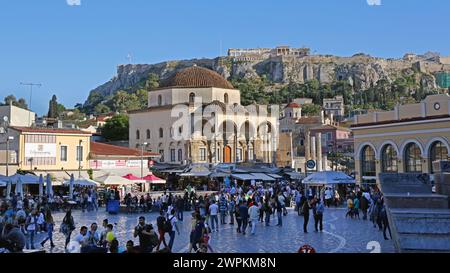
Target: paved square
(340,235)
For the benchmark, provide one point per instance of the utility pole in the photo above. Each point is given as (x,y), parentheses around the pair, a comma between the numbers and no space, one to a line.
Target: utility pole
(142,158)
(31,85)
(79,158)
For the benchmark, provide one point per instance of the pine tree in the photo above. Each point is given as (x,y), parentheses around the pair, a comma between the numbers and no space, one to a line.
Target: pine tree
(53,108)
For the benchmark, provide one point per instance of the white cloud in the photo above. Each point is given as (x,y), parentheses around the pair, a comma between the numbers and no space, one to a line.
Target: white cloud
(374,2)
(73,2)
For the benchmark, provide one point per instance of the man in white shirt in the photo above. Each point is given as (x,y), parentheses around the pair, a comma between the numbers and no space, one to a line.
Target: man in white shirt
(253,213)
(213,212)
(81,238)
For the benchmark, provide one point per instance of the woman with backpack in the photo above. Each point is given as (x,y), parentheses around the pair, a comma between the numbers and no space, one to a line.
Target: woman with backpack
(31,227)
(67,226)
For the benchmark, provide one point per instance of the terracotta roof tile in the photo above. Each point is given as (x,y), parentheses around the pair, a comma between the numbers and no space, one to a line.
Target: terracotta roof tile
(196,77)
(48,130)
(102,149)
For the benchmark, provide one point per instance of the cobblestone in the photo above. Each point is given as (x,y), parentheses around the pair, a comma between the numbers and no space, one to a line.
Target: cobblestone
(340,235)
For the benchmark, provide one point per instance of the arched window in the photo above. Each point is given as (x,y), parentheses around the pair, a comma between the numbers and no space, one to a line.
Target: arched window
(191,98)
(148,134)
(368,161)
(159,100)
(389,159)
(138,134)
(413,160)
(180,155)
(225,98)
(161,132)
(438,151)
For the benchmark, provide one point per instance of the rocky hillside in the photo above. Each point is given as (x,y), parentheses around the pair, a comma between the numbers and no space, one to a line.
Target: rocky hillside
(360,71)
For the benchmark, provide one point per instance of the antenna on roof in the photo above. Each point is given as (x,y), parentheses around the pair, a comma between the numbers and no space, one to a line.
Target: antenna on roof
(130,58)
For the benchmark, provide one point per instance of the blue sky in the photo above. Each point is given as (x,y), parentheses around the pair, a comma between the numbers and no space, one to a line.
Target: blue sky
(73,49)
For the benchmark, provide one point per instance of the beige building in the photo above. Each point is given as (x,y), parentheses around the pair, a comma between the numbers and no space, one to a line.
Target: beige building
(17,116)
(407,139)
(45,149)
(183,113)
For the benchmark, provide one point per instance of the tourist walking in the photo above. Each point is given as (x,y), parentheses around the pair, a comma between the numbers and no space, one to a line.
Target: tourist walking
(305,211)
(318,215)
(267,210)
(253,213)
(50,224)
(67,226)
(238,216)
(213,212)
(231,209)
(31,227)
(223,207)
(279,208)
(161,223)
(243,213)
(172,220)
(148,239)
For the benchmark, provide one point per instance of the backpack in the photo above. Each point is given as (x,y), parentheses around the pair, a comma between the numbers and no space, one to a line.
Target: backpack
(154,240)
(168,225)
(160,222)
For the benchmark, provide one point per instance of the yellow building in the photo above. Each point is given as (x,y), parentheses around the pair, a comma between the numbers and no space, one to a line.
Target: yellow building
(47,149)
(407,139)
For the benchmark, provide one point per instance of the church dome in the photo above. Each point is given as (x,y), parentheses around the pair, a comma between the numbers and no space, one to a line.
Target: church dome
(196,77)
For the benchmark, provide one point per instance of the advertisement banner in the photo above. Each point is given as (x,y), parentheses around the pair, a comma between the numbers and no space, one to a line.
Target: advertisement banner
(36,150)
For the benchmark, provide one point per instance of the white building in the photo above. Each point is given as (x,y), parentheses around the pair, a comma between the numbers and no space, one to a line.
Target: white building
(182,115)
(17,116)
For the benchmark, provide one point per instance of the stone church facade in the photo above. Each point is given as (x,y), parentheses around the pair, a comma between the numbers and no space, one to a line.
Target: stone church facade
(195,116)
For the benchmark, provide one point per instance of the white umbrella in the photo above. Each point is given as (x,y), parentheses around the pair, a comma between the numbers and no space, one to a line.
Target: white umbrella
(112,179)
(72,179)
(82,182)
(19,188)
(41,186)
(48,186)
(8,189)
(328,178)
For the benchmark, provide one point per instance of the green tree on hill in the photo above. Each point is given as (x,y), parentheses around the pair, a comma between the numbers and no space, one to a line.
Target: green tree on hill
(116,128)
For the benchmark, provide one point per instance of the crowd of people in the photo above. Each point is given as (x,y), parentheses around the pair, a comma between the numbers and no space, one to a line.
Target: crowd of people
(245,207)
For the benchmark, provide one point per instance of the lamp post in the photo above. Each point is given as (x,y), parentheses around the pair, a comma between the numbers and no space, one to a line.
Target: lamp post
(79,157)
(8,138)
(142,158)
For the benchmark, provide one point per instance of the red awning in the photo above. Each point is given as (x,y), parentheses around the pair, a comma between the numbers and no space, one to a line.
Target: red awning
(132,177)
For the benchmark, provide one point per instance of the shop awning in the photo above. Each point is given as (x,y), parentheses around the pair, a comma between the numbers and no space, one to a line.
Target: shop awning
(243,176)
(195,174)
(263,177)
(276,176)
(295,175)
(219,174)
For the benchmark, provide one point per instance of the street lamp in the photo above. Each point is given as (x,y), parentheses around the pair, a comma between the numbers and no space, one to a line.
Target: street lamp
(79,157)
(142,158)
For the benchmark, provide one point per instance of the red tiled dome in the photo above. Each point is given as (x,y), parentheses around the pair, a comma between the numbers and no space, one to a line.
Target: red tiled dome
(196,77)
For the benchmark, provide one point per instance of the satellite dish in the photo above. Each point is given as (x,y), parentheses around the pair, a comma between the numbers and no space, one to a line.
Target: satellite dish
(5,118)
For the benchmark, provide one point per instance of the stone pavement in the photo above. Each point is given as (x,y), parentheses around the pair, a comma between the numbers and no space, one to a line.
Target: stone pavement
(340,235)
